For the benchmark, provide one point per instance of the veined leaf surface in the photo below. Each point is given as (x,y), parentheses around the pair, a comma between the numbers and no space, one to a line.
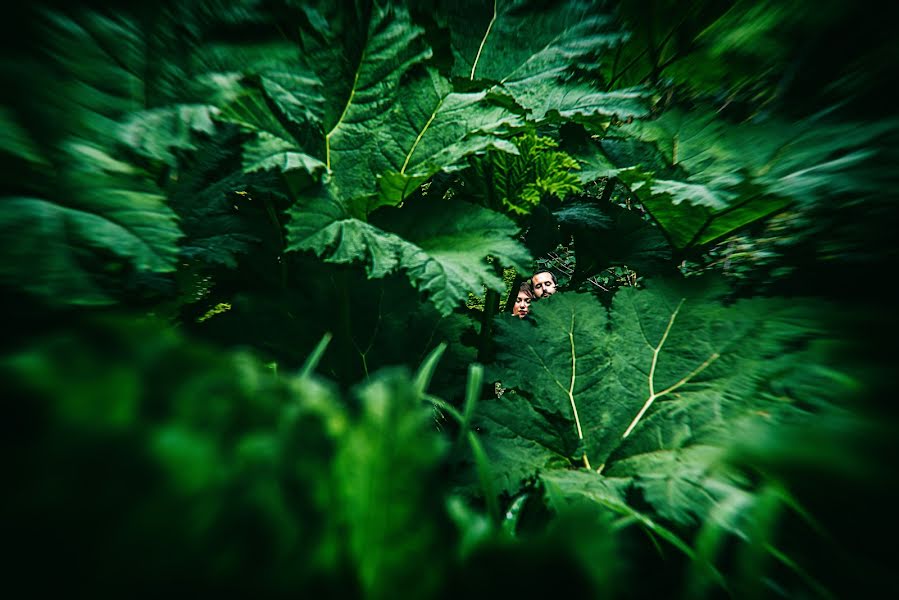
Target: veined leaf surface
(47,244)
(367,108)
(672,368)
(710,178)
(532,55)
(440,247)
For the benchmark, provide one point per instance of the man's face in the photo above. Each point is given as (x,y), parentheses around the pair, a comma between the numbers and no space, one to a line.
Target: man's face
(543,284)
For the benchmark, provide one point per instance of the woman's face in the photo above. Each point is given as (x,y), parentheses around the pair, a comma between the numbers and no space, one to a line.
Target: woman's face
(522,305)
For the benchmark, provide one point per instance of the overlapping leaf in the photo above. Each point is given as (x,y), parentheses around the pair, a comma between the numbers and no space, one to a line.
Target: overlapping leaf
(432,129)
(670,372)
(565,488)
(108,218)
(710,178)
(521,440)
(80,216)
(533,52)
(52,249)
(365,107)
(380,122)
(274,146)
(441,248)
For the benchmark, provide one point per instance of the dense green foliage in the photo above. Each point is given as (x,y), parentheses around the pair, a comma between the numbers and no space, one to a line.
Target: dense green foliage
(256,256)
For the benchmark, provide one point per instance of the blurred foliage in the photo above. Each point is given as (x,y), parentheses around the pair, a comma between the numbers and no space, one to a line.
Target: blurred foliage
(252,249)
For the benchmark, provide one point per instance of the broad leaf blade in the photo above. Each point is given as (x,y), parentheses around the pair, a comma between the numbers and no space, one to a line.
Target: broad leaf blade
(51,247)
(675,369)
(533,53)
(561,362)
(520,441)
(710,177)
(441,248)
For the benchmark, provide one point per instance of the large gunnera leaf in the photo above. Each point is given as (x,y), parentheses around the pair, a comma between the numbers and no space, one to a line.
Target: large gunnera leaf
(368,109)
(431,129)
(76,218)
(52,250)
(441,246)
(708,177)
(533,52)
(646,392)
(73,243)
(520,438)
(558,360)
(398,123)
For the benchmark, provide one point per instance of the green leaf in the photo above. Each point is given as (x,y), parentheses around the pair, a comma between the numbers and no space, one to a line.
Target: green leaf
(519,440)
(532,52)
(154,133)
(564,383)
(15,140)
(441,247)
(277,97)
(711,177)
(387,478)
(81,217)
(566,488)
(677,346)
(657,388)
(433,129)
(519,182)
(371,68)
(379,120)
(682,485)
(690,225)
(273,147)
(386,150)
(55,250)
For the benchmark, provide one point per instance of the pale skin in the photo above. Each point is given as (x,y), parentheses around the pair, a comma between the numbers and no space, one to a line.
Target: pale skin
(544,284)
(522,305)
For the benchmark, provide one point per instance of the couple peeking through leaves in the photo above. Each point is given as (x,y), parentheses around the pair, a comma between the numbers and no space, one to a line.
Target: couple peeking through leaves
(541,284)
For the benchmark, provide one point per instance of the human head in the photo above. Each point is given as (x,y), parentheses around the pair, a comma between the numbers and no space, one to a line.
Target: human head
(544,283)
(522,305)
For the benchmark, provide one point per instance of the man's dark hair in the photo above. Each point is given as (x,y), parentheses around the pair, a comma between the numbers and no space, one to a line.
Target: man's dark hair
(551,274)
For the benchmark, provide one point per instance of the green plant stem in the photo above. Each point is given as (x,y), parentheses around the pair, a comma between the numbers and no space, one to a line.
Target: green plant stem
(485,338)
